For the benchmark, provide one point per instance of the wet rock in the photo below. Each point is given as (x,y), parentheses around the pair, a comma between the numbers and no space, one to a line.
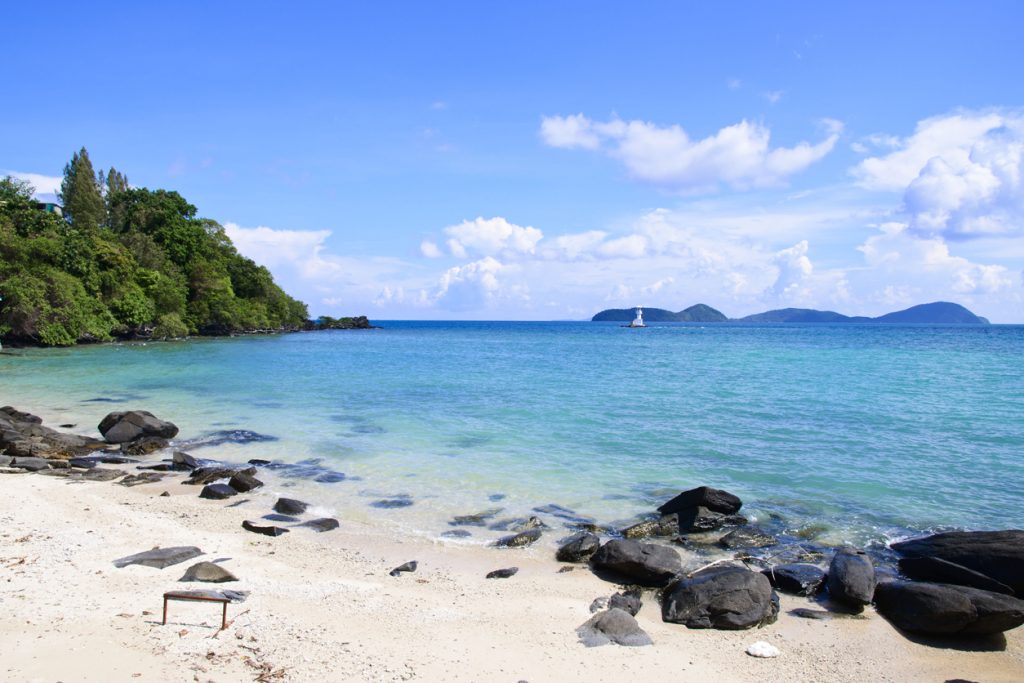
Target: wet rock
(520,540)
(217,492)
(290,506)
(391,503)
(407,567)
(937,570)
(145,445)
(208,572)
(629,601)
(457,533)
(243,482)
(330,477)
(223,436)
(322,524)
(275,517)
(645,564)
(579,548)
(563,513)
(101,474)
(259,462)
(31,464)
(851,578)
(664,526)
(796,578)
(19,416)
(723,597)
(747,537)
(476,519)
(517,525)
(614,626)
(715,500)
(265,530)
(998,555)
(125,426)
(506,573)
(141,478)
(160,557)
(90,461)
(208,475)
(945,609)
(701,519)
(184,459)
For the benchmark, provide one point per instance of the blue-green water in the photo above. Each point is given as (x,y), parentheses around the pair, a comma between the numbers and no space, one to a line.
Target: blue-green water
(874,431)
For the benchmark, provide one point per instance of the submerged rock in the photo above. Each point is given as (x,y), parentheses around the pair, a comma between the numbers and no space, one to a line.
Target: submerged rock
(277,517)
(160,557)
(851,578)
(290,506)
(645,564)
(141,478)
(996,554)
(724,597)
(207,475)
(506,573)
(457,533)
(125,426)
(614,626)
(322,524)
(243,482)
(391,503)
(715,500)
(666,525)
(145,445)
(520,540)
(944,609)
(223,436)
(797,578)
(208,572)
(265,530)
(699,519)
(747,537)
(578,548)
(475,519)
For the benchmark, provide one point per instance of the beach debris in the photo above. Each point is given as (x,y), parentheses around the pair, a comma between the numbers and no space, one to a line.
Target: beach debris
(199,596)
(457,533)
(125,426)
(645,564)
(722,597)
(666,525)
(321,524)
(141,478)
(798,578)
(506,573)
(578,547)
(998,555)
(520,540)
(613,626)
(217,492)
(629,600)
(266,530)
(390,503)
(290,506)
(495,497)
(763,650)
(747,537)
(243,482)
(936,570)
(946,609)
(407,567)
(851,578)
(476,519)
(185,460)
(208,572)
(566,570)
(159,558)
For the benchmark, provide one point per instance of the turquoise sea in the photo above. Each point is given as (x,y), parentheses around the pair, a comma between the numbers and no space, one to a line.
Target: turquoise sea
(854,433)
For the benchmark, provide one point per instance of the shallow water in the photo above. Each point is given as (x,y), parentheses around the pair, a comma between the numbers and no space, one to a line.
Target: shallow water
(871,431)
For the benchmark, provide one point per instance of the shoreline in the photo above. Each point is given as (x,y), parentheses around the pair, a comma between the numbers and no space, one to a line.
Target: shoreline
(322,606)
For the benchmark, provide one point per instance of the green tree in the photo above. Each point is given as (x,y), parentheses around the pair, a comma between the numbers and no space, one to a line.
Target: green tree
(80,193)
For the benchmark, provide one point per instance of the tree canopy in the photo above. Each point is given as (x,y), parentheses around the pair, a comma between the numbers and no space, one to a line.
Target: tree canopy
(125,262)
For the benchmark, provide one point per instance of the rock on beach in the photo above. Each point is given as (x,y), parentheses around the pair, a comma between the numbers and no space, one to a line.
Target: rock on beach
(724,597)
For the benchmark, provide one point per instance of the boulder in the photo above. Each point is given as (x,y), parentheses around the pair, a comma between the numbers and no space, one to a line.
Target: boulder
(666,525)
(265,530)
(851,578)
(208,475)
(290,506)
(628,601)
(407,567)
(31,464)
(614,626)
(208,572)
(715,500)
(160,557)
(945,609)
(797,578)
(184,459)
(122,427)
(699,519)
(747,537)
(996,554)
(723,597)
(145,445)
(243,482)
(936,570)
(217,492)
(578,548)
(645,564)
(506,573)
(520,540)
(322,524)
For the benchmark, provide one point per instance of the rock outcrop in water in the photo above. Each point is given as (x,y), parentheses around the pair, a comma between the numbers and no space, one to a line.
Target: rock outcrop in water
(998,555)
(131,425)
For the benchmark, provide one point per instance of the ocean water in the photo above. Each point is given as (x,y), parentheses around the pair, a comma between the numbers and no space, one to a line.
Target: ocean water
(843,433)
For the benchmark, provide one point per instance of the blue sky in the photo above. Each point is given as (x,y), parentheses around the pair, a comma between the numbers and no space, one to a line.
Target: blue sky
(549,160)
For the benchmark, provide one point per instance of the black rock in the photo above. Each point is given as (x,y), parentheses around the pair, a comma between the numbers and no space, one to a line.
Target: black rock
(475,519)
(126,426)
(578,548)
(614,626)
(502,573)
(208,475)
(940,571)
(141,478)
(322,524)
(223,436)
(945,609)
(102,474)
(208,572)
(996,554)
(851,578)
(747,537)
(90,461)
(666,525)
(645,564)
(184,459)
(259,461)
(518,524)
(261,529)
(160,557)
(276,517)
(723,597)
(700,519)
(715,500)
(30,464)
(391,503)
(145,445)
(520,540)
(217,492)
(290,506)
(628,601)
(797,578)
(457,533)
(407,567)
(243,482)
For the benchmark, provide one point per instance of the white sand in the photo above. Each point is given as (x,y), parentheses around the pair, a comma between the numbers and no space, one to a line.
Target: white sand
(323,608)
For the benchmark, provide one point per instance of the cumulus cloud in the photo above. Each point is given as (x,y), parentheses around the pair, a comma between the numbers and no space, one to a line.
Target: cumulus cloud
(470,287)
(429,249)
(739,156)
(491,236)
(298,249)
(43,184)
(794,267)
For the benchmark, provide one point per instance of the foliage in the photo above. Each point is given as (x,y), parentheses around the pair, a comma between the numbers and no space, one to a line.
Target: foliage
(125,262)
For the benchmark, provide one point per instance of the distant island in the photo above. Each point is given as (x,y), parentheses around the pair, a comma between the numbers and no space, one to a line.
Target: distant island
(939,312)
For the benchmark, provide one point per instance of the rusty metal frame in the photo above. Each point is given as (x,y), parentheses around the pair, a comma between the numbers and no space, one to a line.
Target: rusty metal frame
(174,595)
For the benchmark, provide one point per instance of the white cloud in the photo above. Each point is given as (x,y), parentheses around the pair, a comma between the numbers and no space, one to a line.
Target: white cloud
(429,249)
(773,96)
(738,156)
(630,246)
(573,246)
(300,249)
(43,184)
(473,286)
(491,236)
(734,84)
(795,268)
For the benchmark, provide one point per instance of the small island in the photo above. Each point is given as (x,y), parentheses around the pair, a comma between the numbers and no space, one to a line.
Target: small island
(936,313)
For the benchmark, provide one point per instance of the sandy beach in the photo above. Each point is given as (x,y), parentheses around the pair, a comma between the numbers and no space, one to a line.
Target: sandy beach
(323,607)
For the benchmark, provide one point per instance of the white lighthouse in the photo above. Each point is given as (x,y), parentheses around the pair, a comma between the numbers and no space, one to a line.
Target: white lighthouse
(638,321)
